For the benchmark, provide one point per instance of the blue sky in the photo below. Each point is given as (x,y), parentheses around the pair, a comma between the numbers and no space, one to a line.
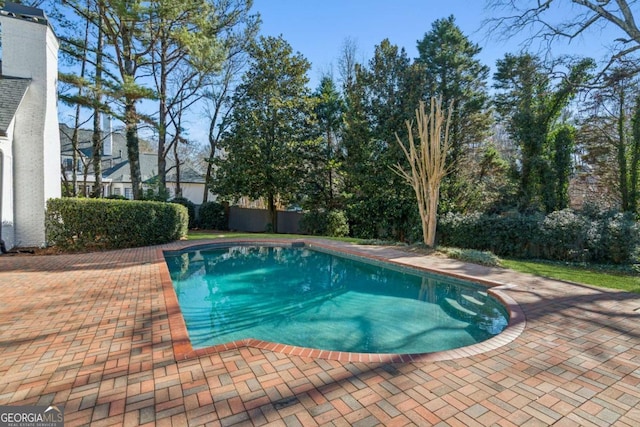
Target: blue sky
(318,29)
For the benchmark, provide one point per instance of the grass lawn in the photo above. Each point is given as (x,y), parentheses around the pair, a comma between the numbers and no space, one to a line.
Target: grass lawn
(605,278)
(196,235)
(586,275)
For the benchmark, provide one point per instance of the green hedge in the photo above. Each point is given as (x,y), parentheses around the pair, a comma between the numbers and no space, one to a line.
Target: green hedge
(191,209)
(565,235)
(213,216)
(325,223)
(78,224)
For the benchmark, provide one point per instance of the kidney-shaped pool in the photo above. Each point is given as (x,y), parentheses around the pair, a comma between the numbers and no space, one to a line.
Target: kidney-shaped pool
(310,298)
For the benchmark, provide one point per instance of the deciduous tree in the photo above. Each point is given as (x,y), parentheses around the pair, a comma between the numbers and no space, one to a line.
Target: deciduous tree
(427,161)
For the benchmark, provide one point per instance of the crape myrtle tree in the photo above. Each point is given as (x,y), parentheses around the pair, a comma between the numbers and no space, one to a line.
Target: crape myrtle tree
(531,97)
(451,70)
(271,128)
(427,161)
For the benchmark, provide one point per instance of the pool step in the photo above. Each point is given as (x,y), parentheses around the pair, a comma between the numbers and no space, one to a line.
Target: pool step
(472,300)
(456,305)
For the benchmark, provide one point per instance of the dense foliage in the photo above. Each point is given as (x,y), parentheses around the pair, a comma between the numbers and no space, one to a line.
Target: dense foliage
(269,137)
(79,224)
(213,216)
(522,155)
(566,235)
(325,223)
(191,209)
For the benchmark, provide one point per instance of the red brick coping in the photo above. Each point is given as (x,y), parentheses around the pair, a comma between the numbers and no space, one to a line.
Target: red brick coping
(182,345)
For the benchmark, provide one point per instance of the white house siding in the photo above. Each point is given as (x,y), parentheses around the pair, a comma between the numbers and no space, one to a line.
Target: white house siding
(190,190)
(6,190)
(30,50)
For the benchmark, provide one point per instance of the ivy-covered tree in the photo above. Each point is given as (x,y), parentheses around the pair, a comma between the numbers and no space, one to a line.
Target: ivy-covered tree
(270,131)
(530,99)
(610,136)
(562,146)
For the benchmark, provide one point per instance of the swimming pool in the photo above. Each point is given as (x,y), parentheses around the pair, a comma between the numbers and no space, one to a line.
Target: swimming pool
(309,298)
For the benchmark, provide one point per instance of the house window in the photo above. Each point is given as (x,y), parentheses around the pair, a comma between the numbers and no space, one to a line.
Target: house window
(117,191)
(128,193)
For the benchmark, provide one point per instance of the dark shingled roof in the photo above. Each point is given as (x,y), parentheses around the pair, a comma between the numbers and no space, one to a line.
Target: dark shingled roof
(12,91)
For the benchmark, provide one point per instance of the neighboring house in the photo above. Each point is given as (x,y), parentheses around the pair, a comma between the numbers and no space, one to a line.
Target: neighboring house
(116,172)
(29,141)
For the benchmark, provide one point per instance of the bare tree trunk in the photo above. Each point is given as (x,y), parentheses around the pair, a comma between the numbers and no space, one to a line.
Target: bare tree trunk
(428,162)
(273,213)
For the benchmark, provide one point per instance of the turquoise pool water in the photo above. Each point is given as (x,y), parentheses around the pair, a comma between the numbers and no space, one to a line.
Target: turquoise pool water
(308,298)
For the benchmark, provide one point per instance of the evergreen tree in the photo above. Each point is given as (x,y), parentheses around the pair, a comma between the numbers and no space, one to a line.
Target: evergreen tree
(451,70)
(324,186)
(269,137)
(382,96)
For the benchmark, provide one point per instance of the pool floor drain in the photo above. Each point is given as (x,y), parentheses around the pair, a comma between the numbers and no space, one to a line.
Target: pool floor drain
(283,403)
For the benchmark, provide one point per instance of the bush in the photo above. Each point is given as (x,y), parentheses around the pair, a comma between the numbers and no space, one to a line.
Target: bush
(513,234)
(337,225)
(79,224)
(213,216)
(564,235)
(313,222)
(191,209)
(614,237)
(325,223)
(472,255)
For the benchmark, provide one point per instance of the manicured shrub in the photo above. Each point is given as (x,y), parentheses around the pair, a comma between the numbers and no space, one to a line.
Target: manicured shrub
(337,225)
(191,209)
(512,234)
(564,235)
(213,216)
(79,224)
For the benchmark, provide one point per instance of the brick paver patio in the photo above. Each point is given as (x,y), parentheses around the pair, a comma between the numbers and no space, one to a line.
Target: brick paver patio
(97,334)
